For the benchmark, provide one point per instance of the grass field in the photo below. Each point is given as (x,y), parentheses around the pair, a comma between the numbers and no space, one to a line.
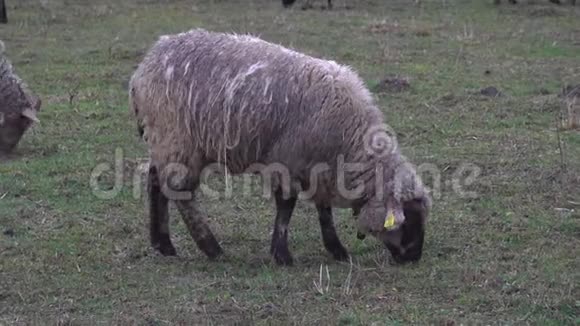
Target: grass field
(505,254)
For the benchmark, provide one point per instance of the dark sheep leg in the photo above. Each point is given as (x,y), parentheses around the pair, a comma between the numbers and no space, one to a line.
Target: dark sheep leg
(159,216)
(279,247)
(329,237)
(3,15)
(287,3)
(180,189)
(198,228)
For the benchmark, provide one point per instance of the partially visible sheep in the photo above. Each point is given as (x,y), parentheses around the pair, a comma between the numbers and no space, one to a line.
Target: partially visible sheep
(202,98)
(3,15)
(307,4)
(558,2)
(18,106)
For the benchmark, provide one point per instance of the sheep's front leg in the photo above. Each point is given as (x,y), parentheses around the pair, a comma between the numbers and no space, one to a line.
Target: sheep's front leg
(158,216)
(198,228)
(279,247)
(329,236)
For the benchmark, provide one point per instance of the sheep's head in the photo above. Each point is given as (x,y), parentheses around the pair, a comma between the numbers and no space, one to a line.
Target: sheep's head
(398,219)
(18,106)
(16,116)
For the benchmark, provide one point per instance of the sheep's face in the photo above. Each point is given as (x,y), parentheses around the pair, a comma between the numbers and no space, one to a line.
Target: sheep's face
(14,124)
(404,238)
(405,242)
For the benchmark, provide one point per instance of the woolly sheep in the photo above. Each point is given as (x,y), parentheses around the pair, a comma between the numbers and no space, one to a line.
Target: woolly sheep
(18,106)
(202,98)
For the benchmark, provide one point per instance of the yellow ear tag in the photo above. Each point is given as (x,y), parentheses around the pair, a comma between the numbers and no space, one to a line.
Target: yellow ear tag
(390,220)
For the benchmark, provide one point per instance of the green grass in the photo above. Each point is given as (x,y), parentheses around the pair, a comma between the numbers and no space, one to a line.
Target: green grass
(505,256)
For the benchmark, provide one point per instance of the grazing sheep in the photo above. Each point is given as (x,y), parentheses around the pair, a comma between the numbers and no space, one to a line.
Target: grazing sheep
(307,4)
(202,98)
(18,106)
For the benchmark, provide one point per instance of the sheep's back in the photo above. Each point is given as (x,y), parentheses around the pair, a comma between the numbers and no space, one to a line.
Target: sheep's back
(233,98)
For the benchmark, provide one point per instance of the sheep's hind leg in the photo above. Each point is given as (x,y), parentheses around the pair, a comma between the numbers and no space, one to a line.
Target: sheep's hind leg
(198,228)
(279,247)
(158,216)
(329,236)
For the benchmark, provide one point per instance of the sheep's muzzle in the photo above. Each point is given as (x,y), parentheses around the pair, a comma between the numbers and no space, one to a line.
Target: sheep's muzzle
(406,242)
(410,247)
(11,132)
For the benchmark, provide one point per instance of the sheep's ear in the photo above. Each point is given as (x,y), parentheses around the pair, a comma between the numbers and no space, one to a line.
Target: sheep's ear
(30,114)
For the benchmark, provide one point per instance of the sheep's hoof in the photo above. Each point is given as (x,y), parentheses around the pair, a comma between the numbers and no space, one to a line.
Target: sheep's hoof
(283,258)
(166,251)
(165,248)
(336,249)
(214,253)
(340,254)
(210,247)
